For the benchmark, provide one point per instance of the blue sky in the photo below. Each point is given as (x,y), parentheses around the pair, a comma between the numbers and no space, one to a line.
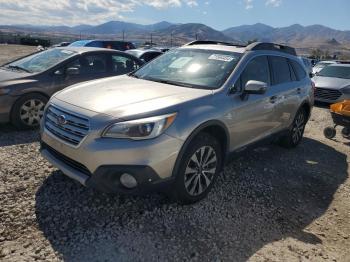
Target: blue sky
(219,14)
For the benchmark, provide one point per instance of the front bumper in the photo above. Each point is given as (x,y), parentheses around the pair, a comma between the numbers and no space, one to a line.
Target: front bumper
(98,163)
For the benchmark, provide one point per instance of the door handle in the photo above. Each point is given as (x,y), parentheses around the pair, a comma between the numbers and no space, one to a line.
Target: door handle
(273,99)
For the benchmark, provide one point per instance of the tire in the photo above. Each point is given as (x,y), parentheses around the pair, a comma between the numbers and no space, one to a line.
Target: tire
(296,131)
(329,132)
(345,132)
(199,168)
(28,110)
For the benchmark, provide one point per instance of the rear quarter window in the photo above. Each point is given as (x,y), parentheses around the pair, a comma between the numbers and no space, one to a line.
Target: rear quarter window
(298,70)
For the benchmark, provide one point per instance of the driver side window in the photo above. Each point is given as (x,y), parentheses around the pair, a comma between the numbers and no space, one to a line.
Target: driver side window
(257,69)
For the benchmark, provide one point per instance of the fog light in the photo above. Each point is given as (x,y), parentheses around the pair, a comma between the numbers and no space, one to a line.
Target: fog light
(128,181)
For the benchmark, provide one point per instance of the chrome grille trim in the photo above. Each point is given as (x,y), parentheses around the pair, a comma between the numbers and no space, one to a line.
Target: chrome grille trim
(72,132)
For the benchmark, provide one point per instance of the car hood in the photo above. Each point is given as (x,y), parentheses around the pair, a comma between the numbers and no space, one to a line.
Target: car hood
(8,75)
(330,82)
(123,95)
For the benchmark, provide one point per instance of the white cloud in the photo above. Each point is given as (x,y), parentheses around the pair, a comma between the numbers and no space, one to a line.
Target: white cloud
(273,3)
(248,4)
(76,11)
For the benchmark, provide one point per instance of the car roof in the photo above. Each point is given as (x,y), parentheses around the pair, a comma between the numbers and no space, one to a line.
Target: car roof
(84,49)
(217,48)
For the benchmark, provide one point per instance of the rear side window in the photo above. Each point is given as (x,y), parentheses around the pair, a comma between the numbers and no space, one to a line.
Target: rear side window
(257,69)
(298,69)
(280,70)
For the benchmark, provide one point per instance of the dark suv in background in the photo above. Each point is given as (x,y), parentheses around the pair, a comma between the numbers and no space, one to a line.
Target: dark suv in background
(109,44)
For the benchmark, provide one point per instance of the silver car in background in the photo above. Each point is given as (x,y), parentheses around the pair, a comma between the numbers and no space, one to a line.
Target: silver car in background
(333,83)
(171,125)
(320,65)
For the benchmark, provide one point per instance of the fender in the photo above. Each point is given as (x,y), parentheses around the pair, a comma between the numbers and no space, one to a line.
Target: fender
(197,130)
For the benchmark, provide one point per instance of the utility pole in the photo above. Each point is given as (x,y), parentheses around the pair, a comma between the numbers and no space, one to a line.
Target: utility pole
(151,39)
(171,40)
(196,36)
(123,35)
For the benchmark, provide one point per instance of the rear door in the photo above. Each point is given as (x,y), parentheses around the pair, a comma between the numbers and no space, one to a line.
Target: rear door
(286,89)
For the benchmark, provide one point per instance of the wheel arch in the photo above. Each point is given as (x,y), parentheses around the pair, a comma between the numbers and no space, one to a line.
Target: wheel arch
(26,94)
(307,107)
(215,128)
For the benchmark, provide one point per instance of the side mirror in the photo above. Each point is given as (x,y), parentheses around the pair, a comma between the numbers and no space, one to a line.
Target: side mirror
(255,87)
(72,71)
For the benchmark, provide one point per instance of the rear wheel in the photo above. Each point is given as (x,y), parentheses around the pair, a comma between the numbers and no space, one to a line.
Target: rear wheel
(198,170)
(296,132)
(28,111)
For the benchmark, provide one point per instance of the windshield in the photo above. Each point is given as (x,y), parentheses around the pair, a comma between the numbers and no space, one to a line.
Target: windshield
(207,69)
(323,64)
(336,71)
(39,62)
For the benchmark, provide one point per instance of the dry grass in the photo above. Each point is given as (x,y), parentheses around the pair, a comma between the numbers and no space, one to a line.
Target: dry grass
(11,52)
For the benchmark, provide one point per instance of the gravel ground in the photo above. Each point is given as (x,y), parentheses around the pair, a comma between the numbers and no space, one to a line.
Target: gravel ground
(270,204)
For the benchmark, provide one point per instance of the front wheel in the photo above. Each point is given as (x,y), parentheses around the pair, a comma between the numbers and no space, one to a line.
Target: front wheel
(28,111)
(200,165)
(296,132)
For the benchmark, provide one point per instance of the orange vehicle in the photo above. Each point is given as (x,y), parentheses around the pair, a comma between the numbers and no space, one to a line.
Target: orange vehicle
(341,117)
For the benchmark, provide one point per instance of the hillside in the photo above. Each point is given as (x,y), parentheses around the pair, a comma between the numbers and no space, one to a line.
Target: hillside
(296,35)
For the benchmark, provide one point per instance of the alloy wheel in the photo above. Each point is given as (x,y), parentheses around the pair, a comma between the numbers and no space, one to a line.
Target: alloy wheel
(298,128)
(31,112)
(200,170)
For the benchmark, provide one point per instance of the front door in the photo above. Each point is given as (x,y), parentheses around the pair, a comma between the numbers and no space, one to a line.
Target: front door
(252,117)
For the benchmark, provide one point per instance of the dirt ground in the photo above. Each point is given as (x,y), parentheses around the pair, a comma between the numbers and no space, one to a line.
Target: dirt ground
(270,204)
(11,52)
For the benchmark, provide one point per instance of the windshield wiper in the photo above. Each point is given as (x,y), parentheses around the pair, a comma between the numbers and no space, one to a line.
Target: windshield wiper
(18,68)
(169,82)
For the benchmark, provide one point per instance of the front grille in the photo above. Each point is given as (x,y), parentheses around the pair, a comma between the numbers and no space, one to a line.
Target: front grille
(68,161)
(327,94)
(72,131)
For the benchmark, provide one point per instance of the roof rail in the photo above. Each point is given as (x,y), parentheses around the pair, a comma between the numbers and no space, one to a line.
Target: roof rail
(212,42)
(272,47)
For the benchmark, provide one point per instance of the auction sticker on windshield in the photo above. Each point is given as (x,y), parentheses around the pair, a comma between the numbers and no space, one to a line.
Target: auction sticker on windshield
(218,57)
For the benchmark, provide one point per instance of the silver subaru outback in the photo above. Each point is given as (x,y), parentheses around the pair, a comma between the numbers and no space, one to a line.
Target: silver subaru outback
(170,125)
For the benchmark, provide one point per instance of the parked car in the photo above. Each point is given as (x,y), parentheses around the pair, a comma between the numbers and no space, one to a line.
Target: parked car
(109,44)
(145,55)
(27,83)
(320,65)
(308,65)
(333,83)
(171,124)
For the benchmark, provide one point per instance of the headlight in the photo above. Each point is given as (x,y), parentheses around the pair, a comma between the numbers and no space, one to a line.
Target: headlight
(145,128)
(346,90)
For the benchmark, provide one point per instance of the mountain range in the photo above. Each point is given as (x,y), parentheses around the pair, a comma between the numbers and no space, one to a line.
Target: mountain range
(296,35)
